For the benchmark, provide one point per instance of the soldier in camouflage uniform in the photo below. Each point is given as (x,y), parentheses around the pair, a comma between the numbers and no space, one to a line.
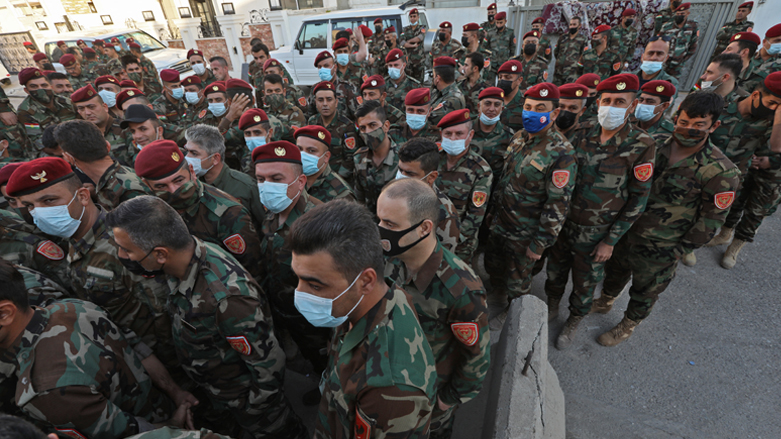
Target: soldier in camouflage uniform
(344,138)
(369,175)
(150,71)
(76,74)
(446,96)
(41,291)
(652,67)
(623,38)
(314,142)
(655,98)
(92,68)
(292,93)
(489,25)
(444,45)
(416,124)
(351,72)
(472,44)
(600,59)
(535,66)
(276,105)
(142,127)
(572,102)
(614,179)
(591,81)
(464,177)
(764,62)
(685,35)
(391,43)
(692,188)
(492,138)
(510,79)
(151,87)
(544,47)
(666,15)
(501,41)
(375,44)
(730,28)
(108,88)
(36,252)
(398,84)
(349,97)
(19,146)
(170,106)
(568,48)
(472,84)
(198,63)
(222,328)
(412,37)
(41,107)
(447,295)
(196,106)
(90,106)
(381,375)
(373,89)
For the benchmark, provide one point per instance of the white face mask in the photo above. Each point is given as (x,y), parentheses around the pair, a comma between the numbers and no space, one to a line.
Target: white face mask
(611,117)
(198,165)
(199,69)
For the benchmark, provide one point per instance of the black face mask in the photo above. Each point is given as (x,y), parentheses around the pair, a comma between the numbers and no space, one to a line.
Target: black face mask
(629,22)
(566,119)
(505,85)
(679,19)
(442,37)
(135,267)
(377,29)
(388,43)
(761,111)
(529,49)
(573,30)
(464,41)
(590,100)
(390,240)
(490,18)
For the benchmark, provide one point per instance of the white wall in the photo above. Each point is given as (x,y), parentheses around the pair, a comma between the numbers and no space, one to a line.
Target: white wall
(765,16)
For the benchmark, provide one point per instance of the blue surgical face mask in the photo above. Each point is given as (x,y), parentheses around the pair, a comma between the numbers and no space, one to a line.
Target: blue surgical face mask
(394,73)
(56,220)
(311,163)
(317,310)
(645,112)
(611,118)
(534,122)
(651,67)
(118,48)
(192,97)
(109,97)
(254,142)
(490,121)
(217,108)
(775,49)
(453,147)
(274,195)
(197,165)
(343,58)
(416,121)
(325,74)
(177,92)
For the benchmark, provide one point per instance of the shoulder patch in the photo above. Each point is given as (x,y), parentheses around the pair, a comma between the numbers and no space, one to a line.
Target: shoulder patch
(69,432)
(486,63)
(302,100)
(201,114)
(350,143)
(359,99)
(50,250)
(235,244)
(560,178)
(547,51)
(724,200)
(617,66)
(441,104)
(467,332)
(479,198)
(644,172)
(545,75)
(363,429)
(240,344)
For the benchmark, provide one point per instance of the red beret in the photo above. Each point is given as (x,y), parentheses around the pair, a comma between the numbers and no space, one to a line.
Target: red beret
(378,20)
(191,80)
(372,82)
(169,75)
(590,80)
(338,44)
(106,79)
(349,31)
(746,36)
(444,61)
(471,26)
(492,6)
(683,7)
(39,56)
(773,83)
(130,40)
(413,11)
(192,52)
(390,30)
(60,43)
(134,45)
(27,44)
(323,85)
(116,40)
(98,42)
(279,151)
(544,91)
(749,5)
(38,174)
(126,95)
(365,31)
(445,25)
(83,94)
(29,73)
(623,83)
(88,50)
(79,41)
(773,31)
(501,16)
(491,93)
(531,34)
(159,159)
(128,83)
(214,87)
(628,12)
(511,66)
(454,118)
(237,83)
(252,117)
(6,171)
(313,131)
(599,29)
(659,88)
(271,62)
(321,56)
(573,91)
(538,20)
(418,97)
(393,55)
(67,60)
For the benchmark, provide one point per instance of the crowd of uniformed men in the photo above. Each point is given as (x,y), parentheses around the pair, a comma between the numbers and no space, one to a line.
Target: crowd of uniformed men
(171,244)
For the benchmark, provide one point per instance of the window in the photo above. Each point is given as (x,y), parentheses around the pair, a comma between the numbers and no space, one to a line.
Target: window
(344,24)
(314,36)
(29,9)
(143,39)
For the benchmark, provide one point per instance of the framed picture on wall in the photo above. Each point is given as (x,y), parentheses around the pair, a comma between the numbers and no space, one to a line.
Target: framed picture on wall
(227,9)
(148,15)
(41,25)
(106,19)
(185,13)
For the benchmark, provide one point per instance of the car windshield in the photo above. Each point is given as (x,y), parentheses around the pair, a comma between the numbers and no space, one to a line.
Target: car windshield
(146,42)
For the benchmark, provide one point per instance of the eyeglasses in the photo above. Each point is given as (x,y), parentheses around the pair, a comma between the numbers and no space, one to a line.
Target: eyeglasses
(665,38)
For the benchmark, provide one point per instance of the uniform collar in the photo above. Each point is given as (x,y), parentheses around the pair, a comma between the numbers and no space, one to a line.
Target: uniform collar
(321,180)
(366,324)
(187,283)
(83,246)
(108,175)
(422,279)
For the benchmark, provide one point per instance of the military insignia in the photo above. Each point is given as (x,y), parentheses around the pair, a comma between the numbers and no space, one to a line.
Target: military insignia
(621,86)
(501,94)
(736,37)
(547,51)
(479,198)
(131,93)
(515,40)
(513,68)
(543,119)
(175,156)
(350,143)
(467,332)
(201,114)
(486,63)
(37,73)
(644,172)
(466,115)
(724,200)
(90,93)
(240,344)
(617,67)
(596,82)
(578,93)
(544,76)
(536,165)
(363,429)
(560,178)
(374,83)
(256,118)
(320,135)
(235,244)
(41,177)
(69,432)
(441,104)
(543,92)
(285,80)
(302,100)
(280,151)
(215,88)
(659,88)
(50,250)
(439,146)
(359,99)
(366,77)
(385,245)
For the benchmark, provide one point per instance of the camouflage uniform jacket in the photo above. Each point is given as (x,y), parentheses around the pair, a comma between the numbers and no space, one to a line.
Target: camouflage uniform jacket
(114,134)
(535,190)
(172,112)
(347,94)
(545,49)
(482,49)
(126,154)
(394,115)
(150,71)
(448,226)
(568,49)
(118,184)
(194,113)
(623,41)
(175,433)
(114,66)
(726,32)
(614,179)
(152,89)
(36,117)
(380,378)
(534,71)
(661,75)
(41,291)
(440,49)
(417,54)
(472,94)
(109,397)
(664,17)
(290,117)
(451,305)
(512,114)
(79,81)
(19,146)
(605,65)
(662,129)
(737,94)
(759,69)
(397,92)
(370,179)
(344,140)
(401,133)
(296,96)
(207,78)
(354,74)
(690,199)
(32,251)
(468,185)
(502,44)
(94,70)
(683,44)
(740,137)
(330,186)
(492,145)
(443,102)
(240,186)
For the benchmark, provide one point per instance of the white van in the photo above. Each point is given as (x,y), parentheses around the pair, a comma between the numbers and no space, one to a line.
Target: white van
(317,34)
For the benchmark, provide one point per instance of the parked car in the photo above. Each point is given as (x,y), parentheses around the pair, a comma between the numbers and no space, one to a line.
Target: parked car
(317,34)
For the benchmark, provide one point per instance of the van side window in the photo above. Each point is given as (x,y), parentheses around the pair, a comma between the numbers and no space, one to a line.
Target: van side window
(314,36)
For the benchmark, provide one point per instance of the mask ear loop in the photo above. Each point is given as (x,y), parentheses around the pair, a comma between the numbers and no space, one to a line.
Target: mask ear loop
(83,208)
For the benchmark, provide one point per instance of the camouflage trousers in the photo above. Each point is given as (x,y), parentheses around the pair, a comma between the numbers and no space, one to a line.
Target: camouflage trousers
(650,264)
(572,253)
(508,266)
(674,68)
(442,422)
(757,199)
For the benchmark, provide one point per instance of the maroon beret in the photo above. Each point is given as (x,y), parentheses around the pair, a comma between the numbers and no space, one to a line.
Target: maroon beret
(746,36)
(531,34)
(83,94)
(169,75)
(544,91)
(128,83)
(106,79)
(659,88)
(134,45)
(628,12)
(378,20)
(492,6)
(191,80)
(126,95)
(511,66)
(79,41)
(413,11)
(573,90)
(88,50)
(538,20)
(321,56)
(313,131)
(444,61)
(323,85)
(237,83)
(39,56)
(60,43)
(683,7)
(773,31)
(192,52)
(98,42)
(623,83)
(271,62)
(491,93)
(115,40)
(418,97)
(599,29)
(445,25)
(390,30)
(159,159)
(279,151)
(67,60)
(130,40)
(252,117)
(214,87)
(393,55)
(6,171)
(38,174)
(372,82)
(29,73)
(27,44)
(341,42)
(365,31)
(501,16)
(749,5)
(590,80)
(471,26)
(773,83)
(453,118)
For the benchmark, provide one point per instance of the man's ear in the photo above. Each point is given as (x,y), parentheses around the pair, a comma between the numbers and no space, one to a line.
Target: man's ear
(7,312)
(162,255)
(715,126)
(108,147)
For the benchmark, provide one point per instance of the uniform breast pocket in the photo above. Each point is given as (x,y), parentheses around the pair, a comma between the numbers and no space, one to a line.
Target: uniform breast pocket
(612,175)
(102,293)
(680,190)
(198,329)
(529,179)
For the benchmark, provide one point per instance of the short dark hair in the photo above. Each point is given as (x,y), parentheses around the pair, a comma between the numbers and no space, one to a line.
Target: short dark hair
(577,18)
(81,139)
(142,100)
(702,104)
(90,55)
(255,41)
(447,73)
(477,59)
(345,230)
(220,60)
(12,427)
(13,287)
(260,47)
(422,202)
(56,76)
(750,45)
(47,137)
(149,222)
(126,60)
(343,34)
(369,107)
(73,50)
(273,78)
(730,62)
(420,150)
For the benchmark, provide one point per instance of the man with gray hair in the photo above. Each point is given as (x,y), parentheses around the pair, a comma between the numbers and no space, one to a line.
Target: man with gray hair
(222,328)
(449,298)
(205,150)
